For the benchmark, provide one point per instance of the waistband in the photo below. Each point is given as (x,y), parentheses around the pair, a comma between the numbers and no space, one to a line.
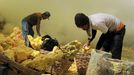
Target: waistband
(120,26)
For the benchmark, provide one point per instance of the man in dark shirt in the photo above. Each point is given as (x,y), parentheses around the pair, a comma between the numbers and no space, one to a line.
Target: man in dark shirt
(30,21)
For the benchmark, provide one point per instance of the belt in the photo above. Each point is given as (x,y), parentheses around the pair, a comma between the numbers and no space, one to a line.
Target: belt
(120,26)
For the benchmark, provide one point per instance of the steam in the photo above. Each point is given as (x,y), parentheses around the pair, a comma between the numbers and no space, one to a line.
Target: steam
(61,23)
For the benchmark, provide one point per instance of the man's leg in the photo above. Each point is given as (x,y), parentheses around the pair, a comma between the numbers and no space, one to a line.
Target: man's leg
(117,44)
(25,32)
(108,41)
(30,32)
(100,42)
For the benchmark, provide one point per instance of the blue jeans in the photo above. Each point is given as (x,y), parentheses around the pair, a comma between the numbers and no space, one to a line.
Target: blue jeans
(26,30)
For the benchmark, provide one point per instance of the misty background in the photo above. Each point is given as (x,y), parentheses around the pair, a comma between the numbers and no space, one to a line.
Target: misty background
(61,23)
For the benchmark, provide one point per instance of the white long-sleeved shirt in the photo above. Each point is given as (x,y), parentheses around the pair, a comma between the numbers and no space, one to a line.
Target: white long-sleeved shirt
(103,22)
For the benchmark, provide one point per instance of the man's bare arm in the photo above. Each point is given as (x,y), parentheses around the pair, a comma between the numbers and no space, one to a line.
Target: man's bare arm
(38,28)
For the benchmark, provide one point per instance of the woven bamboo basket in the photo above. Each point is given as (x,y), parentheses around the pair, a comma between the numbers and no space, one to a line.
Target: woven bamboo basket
(61,67)
(82,60)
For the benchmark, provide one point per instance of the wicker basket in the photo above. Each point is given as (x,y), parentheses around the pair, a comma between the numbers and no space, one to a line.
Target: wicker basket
(82,59)
(61,67)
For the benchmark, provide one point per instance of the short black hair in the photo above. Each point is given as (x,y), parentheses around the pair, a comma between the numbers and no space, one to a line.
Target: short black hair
(47,14)
(81,19)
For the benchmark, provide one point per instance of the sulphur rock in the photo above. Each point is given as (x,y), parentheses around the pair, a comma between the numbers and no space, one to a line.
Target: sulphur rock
(35,53)
(35,42)
(10,54)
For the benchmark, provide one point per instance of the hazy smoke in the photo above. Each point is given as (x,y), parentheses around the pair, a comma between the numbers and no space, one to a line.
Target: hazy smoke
(61,23)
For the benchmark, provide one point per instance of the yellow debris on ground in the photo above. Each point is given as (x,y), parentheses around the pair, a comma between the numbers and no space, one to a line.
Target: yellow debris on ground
(14,48)
(10,54)
(1,49)
(35,53)
(35,42)
(44,62)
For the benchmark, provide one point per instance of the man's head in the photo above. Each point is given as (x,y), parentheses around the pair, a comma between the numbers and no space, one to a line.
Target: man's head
(46,15)
(82,21)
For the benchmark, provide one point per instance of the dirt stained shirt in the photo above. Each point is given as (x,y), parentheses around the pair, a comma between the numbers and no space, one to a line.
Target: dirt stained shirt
(102,22)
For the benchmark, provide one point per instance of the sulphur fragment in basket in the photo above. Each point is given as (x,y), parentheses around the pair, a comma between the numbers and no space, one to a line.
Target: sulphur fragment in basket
(73,68)
(69,50)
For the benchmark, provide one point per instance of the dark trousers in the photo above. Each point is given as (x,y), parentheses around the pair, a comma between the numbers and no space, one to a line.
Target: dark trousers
(112,42)
(30,31)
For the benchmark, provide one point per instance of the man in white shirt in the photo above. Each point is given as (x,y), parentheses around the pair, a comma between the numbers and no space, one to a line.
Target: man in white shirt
(113,31)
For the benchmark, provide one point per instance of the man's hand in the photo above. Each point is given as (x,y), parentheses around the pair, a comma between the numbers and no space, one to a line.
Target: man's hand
(39,34)
(86,45)
(102,49)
